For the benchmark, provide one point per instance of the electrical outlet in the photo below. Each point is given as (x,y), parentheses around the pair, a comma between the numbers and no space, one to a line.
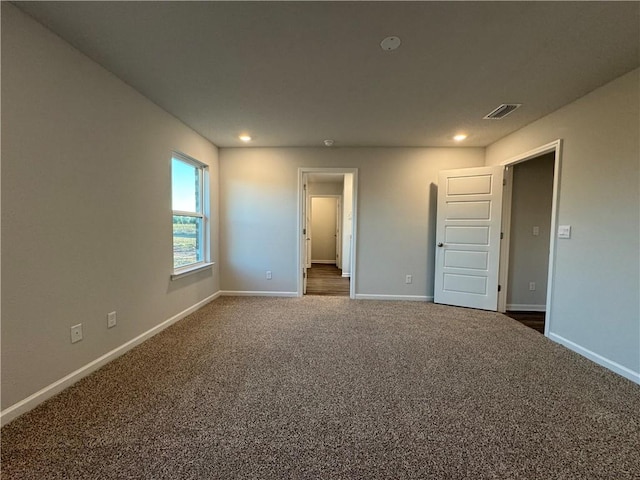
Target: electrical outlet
(111,320)
(536,231)
(532,286)
(268,274)
(408,279)
(76,333)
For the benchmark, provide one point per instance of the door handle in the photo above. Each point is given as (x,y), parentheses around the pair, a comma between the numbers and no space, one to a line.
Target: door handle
(441,244)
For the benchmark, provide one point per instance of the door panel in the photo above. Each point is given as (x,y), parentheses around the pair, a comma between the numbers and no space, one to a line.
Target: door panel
(465,259)
(468,237)
(469,210)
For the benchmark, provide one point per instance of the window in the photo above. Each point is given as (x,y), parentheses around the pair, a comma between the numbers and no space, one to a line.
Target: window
(190,200)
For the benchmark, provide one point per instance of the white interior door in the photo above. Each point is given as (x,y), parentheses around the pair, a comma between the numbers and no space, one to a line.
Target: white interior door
(468,237)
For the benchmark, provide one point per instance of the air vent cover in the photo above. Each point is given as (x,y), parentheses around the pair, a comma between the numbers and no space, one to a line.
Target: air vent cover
(502,111)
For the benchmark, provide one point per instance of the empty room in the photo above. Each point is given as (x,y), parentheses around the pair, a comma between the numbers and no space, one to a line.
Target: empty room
(333,240)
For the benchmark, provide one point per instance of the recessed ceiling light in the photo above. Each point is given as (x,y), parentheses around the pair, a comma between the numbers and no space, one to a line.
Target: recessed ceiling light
(328,142)
(390,43)
(459,137)
(244,138)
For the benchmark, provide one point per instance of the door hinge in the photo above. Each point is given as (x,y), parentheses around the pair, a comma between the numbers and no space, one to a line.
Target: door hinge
(304,274)
(304,231)
(499,287)
(501,235)
(504,182)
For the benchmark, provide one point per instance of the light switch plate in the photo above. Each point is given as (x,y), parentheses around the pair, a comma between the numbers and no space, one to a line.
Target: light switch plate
(564,231)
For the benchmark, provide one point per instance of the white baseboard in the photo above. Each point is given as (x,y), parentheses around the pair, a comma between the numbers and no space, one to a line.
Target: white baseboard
(328,262)
(251,293)
(32,401)
(415,298)
(599,359)
(346,275)
(523,307)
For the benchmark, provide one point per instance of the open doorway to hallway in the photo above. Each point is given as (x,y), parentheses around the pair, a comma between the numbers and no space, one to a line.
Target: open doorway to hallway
(327,231)
(528,232)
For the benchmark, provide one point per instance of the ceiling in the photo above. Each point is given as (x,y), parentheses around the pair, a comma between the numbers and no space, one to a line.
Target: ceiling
(297,73)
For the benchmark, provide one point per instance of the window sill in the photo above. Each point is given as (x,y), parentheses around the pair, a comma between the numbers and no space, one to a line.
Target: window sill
(190,270)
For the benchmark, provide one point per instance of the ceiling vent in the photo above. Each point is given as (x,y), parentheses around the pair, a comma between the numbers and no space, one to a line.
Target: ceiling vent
(502,111)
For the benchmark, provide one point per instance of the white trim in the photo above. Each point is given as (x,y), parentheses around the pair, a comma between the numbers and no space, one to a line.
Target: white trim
(185,271)
(523,307)
(32,401)
(413,298)
(324,262)
(505,229)
(256,293)
(346,275)
(204,214)
(599,359)
(184,213)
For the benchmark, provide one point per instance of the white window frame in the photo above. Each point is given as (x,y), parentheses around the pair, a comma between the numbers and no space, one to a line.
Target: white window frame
(203,214)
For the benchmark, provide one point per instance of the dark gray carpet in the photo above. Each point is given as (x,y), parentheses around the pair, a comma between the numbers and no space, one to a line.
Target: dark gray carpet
(331,388)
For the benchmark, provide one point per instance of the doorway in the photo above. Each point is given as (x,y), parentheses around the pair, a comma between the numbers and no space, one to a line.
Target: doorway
(530,226)
(327,231)
(527,255)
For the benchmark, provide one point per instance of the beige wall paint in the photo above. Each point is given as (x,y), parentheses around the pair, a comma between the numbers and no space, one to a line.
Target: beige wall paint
(325,188)
(396,214)
(86,209)
(323,229)
(529,254)
(596,289)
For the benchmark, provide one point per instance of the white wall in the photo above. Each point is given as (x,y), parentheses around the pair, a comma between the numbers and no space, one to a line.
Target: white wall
(396,214)
(529,253)
(86,209)
(323,229)
(596,289)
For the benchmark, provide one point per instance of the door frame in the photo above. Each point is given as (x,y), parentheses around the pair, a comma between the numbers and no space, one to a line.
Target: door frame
(503,274)
(300,238)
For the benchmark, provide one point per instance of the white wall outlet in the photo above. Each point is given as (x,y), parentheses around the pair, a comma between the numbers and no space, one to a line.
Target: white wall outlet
(408,279)
(76,333)
(532,286)
(111,320)
(268,275)
(536,231)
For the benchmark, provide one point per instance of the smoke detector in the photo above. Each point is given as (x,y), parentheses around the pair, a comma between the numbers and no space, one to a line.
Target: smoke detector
(390,43)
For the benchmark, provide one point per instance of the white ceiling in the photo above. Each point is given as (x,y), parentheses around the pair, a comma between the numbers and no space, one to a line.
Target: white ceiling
(296,73)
